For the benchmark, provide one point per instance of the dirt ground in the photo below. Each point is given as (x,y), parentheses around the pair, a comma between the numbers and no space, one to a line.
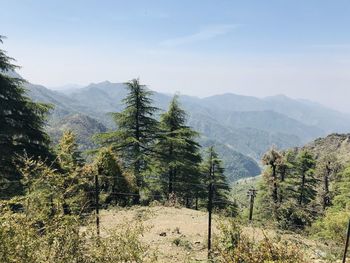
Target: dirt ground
(180,234)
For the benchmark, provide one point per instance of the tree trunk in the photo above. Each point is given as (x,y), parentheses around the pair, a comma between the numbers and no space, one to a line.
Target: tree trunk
(170,182)
(326,198)
(137,166)
(302,186)
(187,202)
(275,187)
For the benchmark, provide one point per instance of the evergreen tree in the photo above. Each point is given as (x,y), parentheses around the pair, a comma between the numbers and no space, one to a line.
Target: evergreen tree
(305,191)
(21,128)
(68,153)
(179,153)
(212,167)
(341,200)
(326,169)
(285,172)
(114,183)
(137,131)
(273,159)
(74,183)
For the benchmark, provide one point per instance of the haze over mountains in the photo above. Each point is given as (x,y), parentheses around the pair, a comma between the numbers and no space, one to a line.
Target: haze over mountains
(241,127)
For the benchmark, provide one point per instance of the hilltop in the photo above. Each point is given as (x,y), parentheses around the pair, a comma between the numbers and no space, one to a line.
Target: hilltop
(337,144)
(180,234)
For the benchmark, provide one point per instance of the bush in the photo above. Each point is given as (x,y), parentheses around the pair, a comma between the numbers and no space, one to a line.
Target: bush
(235,247)
(25,240)
(292,217)
(332,227)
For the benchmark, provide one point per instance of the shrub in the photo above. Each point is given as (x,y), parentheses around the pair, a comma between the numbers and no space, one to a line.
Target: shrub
(235,247)
(332,227)
(26,240)
(292,217)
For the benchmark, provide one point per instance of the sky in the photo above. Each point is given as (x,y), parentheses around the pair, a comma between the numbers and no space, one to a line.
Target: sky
(300,48)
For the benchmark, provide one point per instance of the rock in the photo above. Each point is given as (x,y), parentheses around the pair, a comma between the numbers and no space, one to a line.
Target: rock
(177,231)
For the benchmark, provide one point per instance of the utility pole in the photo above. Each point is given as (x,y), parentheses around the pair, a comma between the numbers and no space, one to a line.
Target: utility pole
(252,194)
(210,208)
(210,202)
(97,197)
(347,243)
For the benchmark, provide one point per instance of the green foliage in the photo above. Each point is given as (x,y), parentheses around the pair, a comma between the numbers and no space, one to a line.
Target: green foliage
(250,130)
(60,239)
(341,192)
(56,241)
(240,189)
(289,189)
(291,216)
(67,152)
(50,192)
(21,128)
(273,159)
(332,227)
(181,242)
(214,173)
(305,179)
(179,153)
(236,164)
(235,247)
(137,130)
(114,182)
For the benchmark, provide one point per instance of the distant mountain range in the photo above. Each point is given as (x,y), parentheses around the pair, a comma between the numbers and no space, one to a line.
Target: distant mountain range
(241,127)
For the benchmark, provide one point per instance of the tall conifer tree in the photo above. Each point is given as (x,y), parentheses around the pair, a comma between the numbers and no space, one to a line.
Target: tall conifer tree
(212,167)
(21,127)
(136,131)
(180,156)
(305,190)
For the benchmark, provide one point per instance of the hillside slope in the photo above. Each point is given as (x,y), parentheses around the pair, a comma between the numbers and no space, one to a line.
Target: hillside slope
(335,144)
(244,127)
(83,126)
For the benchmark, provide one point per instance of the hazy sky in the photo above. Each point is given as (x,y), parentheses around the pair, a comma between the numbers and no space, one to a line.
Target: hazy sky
(300,48)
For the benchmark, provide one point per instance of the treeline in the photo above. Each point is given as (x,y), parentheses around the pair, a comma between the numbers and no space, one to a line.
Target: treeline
(151,156)
(48,192)
(303,192)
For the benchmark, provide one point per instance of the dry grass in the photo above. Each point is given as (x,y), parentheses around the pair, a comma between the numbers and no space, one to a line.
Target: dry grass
(180,234)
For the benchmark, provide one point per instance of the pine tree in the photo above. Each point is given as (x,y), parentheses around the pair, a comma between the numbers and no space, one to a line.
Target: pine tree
(179,153)
(305,191)
(21,128)
(285,172)
(212,167)
(326,169)
(273,158)
(341,200)
(137,131)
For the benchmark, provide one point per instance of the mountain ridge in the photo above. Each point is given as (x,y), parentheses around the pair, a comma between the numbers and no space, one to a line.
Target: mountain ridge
(244,127)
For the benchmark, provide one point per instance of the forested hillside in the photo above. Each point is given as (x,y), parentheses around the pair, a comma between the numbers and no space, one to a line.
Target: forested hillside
(178,155)
(247,126)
